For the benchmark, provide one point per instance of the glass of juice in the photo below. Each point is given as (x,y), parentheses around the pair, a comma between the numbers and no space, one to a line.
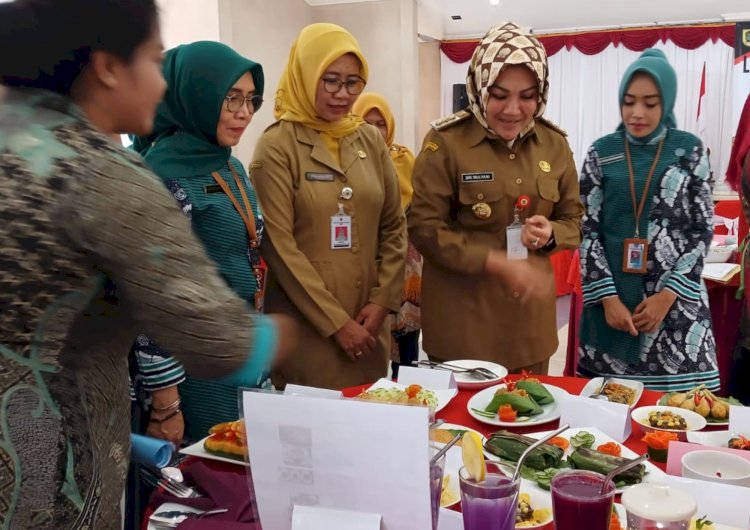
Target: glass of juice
(577,497)
(490,504)
(436,483)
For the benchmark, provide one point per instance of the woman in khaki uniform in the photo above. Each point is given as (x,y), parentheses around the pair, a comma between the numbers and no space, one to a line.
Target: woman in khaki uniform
(477,169)
(335,237)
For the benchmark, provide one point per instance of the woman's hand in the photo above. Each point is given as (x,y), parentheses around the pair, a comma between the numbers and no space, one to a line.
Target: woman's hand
(651,312)
(536,232)
(371,317)
(618,316)
(171,429)
(354,339)
(522,279)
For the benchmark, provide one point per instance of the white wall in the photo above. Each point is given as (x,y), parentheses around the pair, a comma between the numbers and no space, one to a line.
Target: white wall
(185,21)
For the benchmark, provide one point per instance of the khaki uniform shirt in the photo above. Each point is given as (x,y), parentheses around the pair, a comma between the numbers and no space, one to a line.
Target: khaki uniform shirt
(299,186)
(466,313)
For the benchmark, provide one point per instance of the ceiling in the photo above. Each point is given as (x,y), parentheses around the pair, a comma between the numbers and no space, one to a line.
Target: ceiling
(545,16)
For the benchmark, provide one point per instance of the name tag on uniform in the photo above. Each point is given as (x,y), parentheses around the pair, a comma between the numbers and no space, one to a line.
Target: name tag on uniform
(212,188)
(487,176)
(341,231)
(514,247)
(320,177)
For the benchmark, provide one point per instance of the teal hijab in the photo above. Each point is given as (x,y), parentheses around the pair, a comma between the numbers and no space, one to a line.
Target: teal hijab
(654,63)
(199,76)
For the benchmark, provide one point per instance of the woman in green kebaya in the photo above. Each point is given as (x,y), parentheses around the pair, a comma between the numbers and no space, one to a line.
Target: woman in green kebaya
(212,95)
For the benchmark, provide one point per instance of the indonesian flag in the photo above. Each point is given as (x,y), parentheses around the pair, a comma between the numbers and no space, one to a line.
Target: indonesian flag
(700,117)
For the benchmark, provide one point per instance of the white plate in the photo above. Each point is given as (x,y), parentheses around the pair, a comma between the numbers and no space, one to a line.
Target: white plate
(198,450)
(713,438)
(466,382)
(443,396)
(169,506)
(453,462)
(654,473)
(457,427)
(551,411)
(595,385)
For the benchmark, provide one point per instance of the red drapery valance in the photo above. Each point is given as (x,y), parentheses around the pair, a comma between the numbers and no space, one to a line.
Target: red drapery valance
(593,42)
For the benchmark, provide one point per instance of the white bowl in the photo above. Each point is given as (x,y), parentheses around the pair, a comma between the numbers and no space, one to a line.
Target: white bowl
(720,253)
(716,466)
(694,421)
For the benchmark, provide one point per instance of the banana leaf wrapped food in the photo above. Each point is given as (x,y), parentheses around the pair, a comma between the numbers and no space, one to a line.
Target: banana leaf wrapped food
(510,446)
(584,458)
(536,390)
(519,399)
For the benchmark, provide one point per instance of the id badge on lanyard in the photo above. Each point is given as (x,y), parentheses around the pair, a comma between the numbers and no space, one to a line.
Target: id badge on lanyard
(341,230)
(515,250)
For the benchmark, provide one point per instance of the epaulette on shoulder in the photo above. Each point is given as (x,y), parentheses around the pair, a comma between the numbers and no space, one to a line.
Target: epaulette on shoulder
(450,120)
(552,125)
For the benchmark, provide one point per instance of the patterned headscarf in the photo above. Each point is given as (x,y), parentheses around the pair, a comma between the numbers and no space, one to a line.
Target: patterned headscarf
(504,45)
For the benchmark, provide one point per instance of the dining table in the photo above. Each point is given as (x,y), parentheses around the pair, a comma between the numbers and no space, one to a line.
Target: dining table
(455,412)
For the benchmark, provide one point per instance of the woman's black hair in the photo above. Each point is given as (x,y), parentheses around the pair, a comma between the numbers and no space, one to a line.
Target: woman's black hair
(47,43)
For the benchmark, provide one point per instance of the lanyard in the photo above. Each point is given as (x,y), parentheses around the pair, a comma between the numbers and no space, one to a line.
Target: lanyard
(247,213)
(639,210)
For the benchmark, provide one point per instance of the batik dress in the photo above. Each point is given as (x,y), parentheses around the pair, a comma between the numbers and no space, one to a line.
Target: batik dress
(678,217)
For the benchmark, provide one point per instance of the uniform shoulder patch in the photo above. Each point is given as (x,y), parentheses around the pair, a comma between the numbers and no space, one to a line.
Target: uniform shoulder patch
(256,164)
(450,120)
(552,125)
(431,146)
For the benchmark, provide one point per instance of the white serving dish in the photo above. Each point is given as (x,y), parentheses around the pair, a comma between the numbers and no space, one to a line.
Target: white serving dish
(716,466)
(443,396)
(197,449)
(466,382)
(551,411)
(595,385)
(720,253)
(694,421)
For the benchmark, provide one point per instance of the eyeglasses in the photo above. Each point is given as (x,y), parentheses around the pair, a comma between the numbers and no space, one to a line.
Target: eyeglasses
(253,103)
(353,86)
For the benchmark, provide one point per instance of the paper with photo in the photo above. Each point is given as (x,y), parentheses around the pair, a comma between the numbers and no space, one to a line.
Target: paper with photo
(612,419)
(431,379)
(339,454)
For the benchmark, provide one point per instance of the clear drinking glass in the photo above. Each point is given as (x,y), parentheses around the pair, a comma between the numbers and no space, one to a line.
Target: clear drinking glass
(436,483)
(577,497)
(491,504)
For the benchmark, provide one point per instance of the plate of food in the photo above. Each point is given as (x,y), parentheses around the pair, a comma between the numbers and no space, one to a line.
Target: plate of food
(670,419)
(702,401)
(732,440)
(513,403)
(451,492)
(534,507)
(226,442)
(579,448)
(696,523)
(386,391)
(616,390)
(445,432)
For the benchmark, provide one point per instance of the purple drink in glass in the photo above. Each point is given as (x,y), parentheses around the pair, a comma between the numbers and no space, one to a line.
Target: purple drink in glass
(576,497)
(491,504)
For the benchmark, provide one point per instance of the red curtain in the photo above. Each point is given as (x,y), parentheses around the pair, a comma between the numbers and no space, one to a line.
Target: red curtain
(593,42)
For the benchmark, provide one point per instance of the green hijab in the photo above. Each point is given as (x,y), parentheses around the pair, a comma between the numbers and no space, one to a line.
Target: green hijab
(654,63)
(199,76)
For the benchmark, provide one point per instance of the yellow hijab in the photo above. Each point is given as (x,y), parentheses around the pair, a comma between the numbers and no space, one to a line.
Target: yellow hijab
(403,159)
(316,47)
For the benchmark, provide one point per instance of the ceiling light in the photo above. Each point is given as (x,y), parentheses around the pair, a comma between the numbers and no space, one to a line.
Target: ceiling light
(456,17)
(494,2)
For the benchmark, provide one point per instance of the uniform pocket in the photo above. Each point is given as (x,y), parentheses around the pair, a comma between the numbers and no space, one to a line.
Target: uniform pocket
(549,189)
(480,207)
